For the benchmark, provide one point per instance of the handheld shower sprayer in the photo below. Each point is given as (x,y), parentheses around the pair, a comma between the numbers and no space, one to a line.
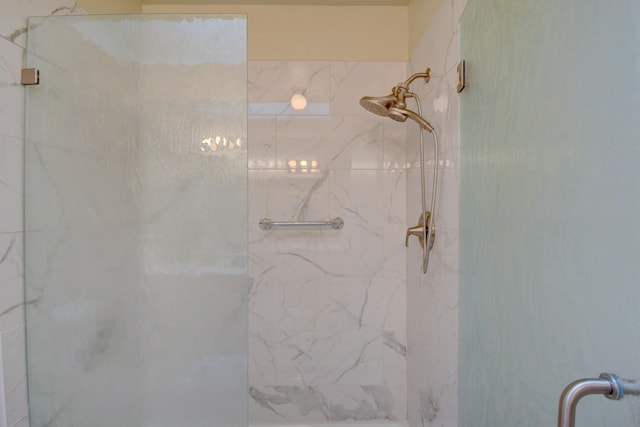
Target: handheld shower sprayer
(394,106)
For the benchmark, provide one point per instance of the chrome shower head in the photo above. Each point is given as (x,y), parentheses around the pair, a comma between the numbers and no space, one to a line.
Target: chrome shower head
(378,104)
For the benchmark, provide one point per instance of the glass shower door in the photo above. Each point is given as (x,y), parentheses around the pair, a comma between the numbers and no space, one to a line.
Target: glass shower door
(136,253)
(549,207)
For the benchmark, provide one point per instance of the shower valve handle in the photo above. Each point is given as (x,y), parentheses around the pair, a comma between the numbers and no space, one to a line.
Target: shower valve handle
(418,231)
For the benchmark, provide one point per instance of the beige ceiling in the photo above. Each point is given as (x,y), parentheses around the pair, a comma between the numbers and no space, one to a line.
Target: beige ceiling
(288,2)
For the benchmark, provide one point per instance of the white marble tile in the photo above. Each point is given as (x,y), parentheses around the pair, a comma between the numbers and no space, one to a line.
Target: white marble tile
(324,403)
(334,142)
(371,303)
(272,84)
(447,200)
(11,184)
(13,21)
(262,255)
(353,251)
(15,374)
(395,142)
(11,91)
(394,365)
(290,404)
(329,358)
(279,302)
(395,254)
(261,151)
(11,280)
(352,80)
(285,195)
(432,348)
(356,196)
(354,402)
(348,301)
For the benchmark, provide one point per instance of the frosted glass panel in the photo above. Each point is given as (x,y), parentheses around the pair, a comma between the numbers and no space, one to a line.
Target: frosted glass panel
(136,257)
(550,201)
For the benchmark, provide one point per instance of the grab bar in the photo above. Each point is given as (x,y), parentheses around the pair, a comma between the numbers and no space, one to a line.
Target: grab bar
(267,224)
(608,385)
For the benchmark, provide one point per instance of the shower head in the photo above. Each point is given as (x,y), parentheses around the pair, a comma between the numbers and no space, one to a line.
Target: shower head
(394,106)
(401,115)
(378,104)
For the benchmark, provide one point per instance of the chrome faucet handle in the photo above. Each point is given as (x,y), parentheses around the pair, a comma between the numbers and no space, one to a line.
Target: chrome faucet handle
(418,231)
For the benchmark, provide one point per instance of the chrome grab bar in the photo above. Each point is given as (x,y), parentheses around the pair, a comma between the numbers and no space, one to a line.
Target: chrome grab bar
(267,224)
(608,385)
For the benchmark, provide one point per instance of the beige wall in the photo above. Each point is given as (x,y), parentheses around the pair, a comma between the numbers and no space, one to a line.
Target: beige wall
(420,14)
(111,6)
(297,32)
(316,33)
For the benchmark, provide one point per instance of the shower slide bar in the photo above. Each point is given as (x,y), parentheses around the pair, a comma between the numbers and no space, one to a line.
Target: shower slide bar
(609,385)
(267,224)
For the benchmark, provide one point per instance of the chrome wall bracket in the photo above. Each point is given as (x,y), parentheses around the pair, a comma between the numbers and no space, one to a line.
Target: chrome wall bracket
(30,76)
(608,385)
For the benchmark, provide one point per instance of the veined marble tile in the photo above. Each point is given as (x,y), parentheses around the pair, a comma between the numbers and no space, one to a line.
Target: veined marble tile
(11,184)
(395,262)
(333,142)
(285,195)
(11,91)
(353,251)
(440,42)
(350,81)
(328,357)
(323,403)
(367,303)
(356,196)
(261,151)
(282,301)
(13,22)
(394,367)
(11,280)
(272,84)
(15,374)
(446,214)
(348,300)
(395,142)
(371,198)
(262,255)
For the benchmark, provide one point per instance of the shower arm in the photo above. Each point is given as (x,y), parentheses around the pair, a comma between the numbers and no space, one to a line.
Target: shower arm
(426,75)
(401,90)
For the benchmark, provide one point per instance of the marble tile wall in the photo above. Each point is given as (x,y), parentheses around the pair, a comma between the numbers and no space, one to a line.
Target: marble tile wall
(13,19)
(327,308)
(432,312)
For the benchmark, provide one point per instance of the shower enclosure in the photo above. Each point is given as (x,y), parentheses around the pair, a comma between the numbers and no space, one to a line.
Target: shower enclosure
(136,257)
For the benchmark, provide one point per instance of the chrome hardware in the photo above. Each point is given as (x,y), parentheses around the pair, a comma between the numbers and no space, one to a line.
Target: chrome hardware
(419,230)
(267,224)
(608,385)
(30,76)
